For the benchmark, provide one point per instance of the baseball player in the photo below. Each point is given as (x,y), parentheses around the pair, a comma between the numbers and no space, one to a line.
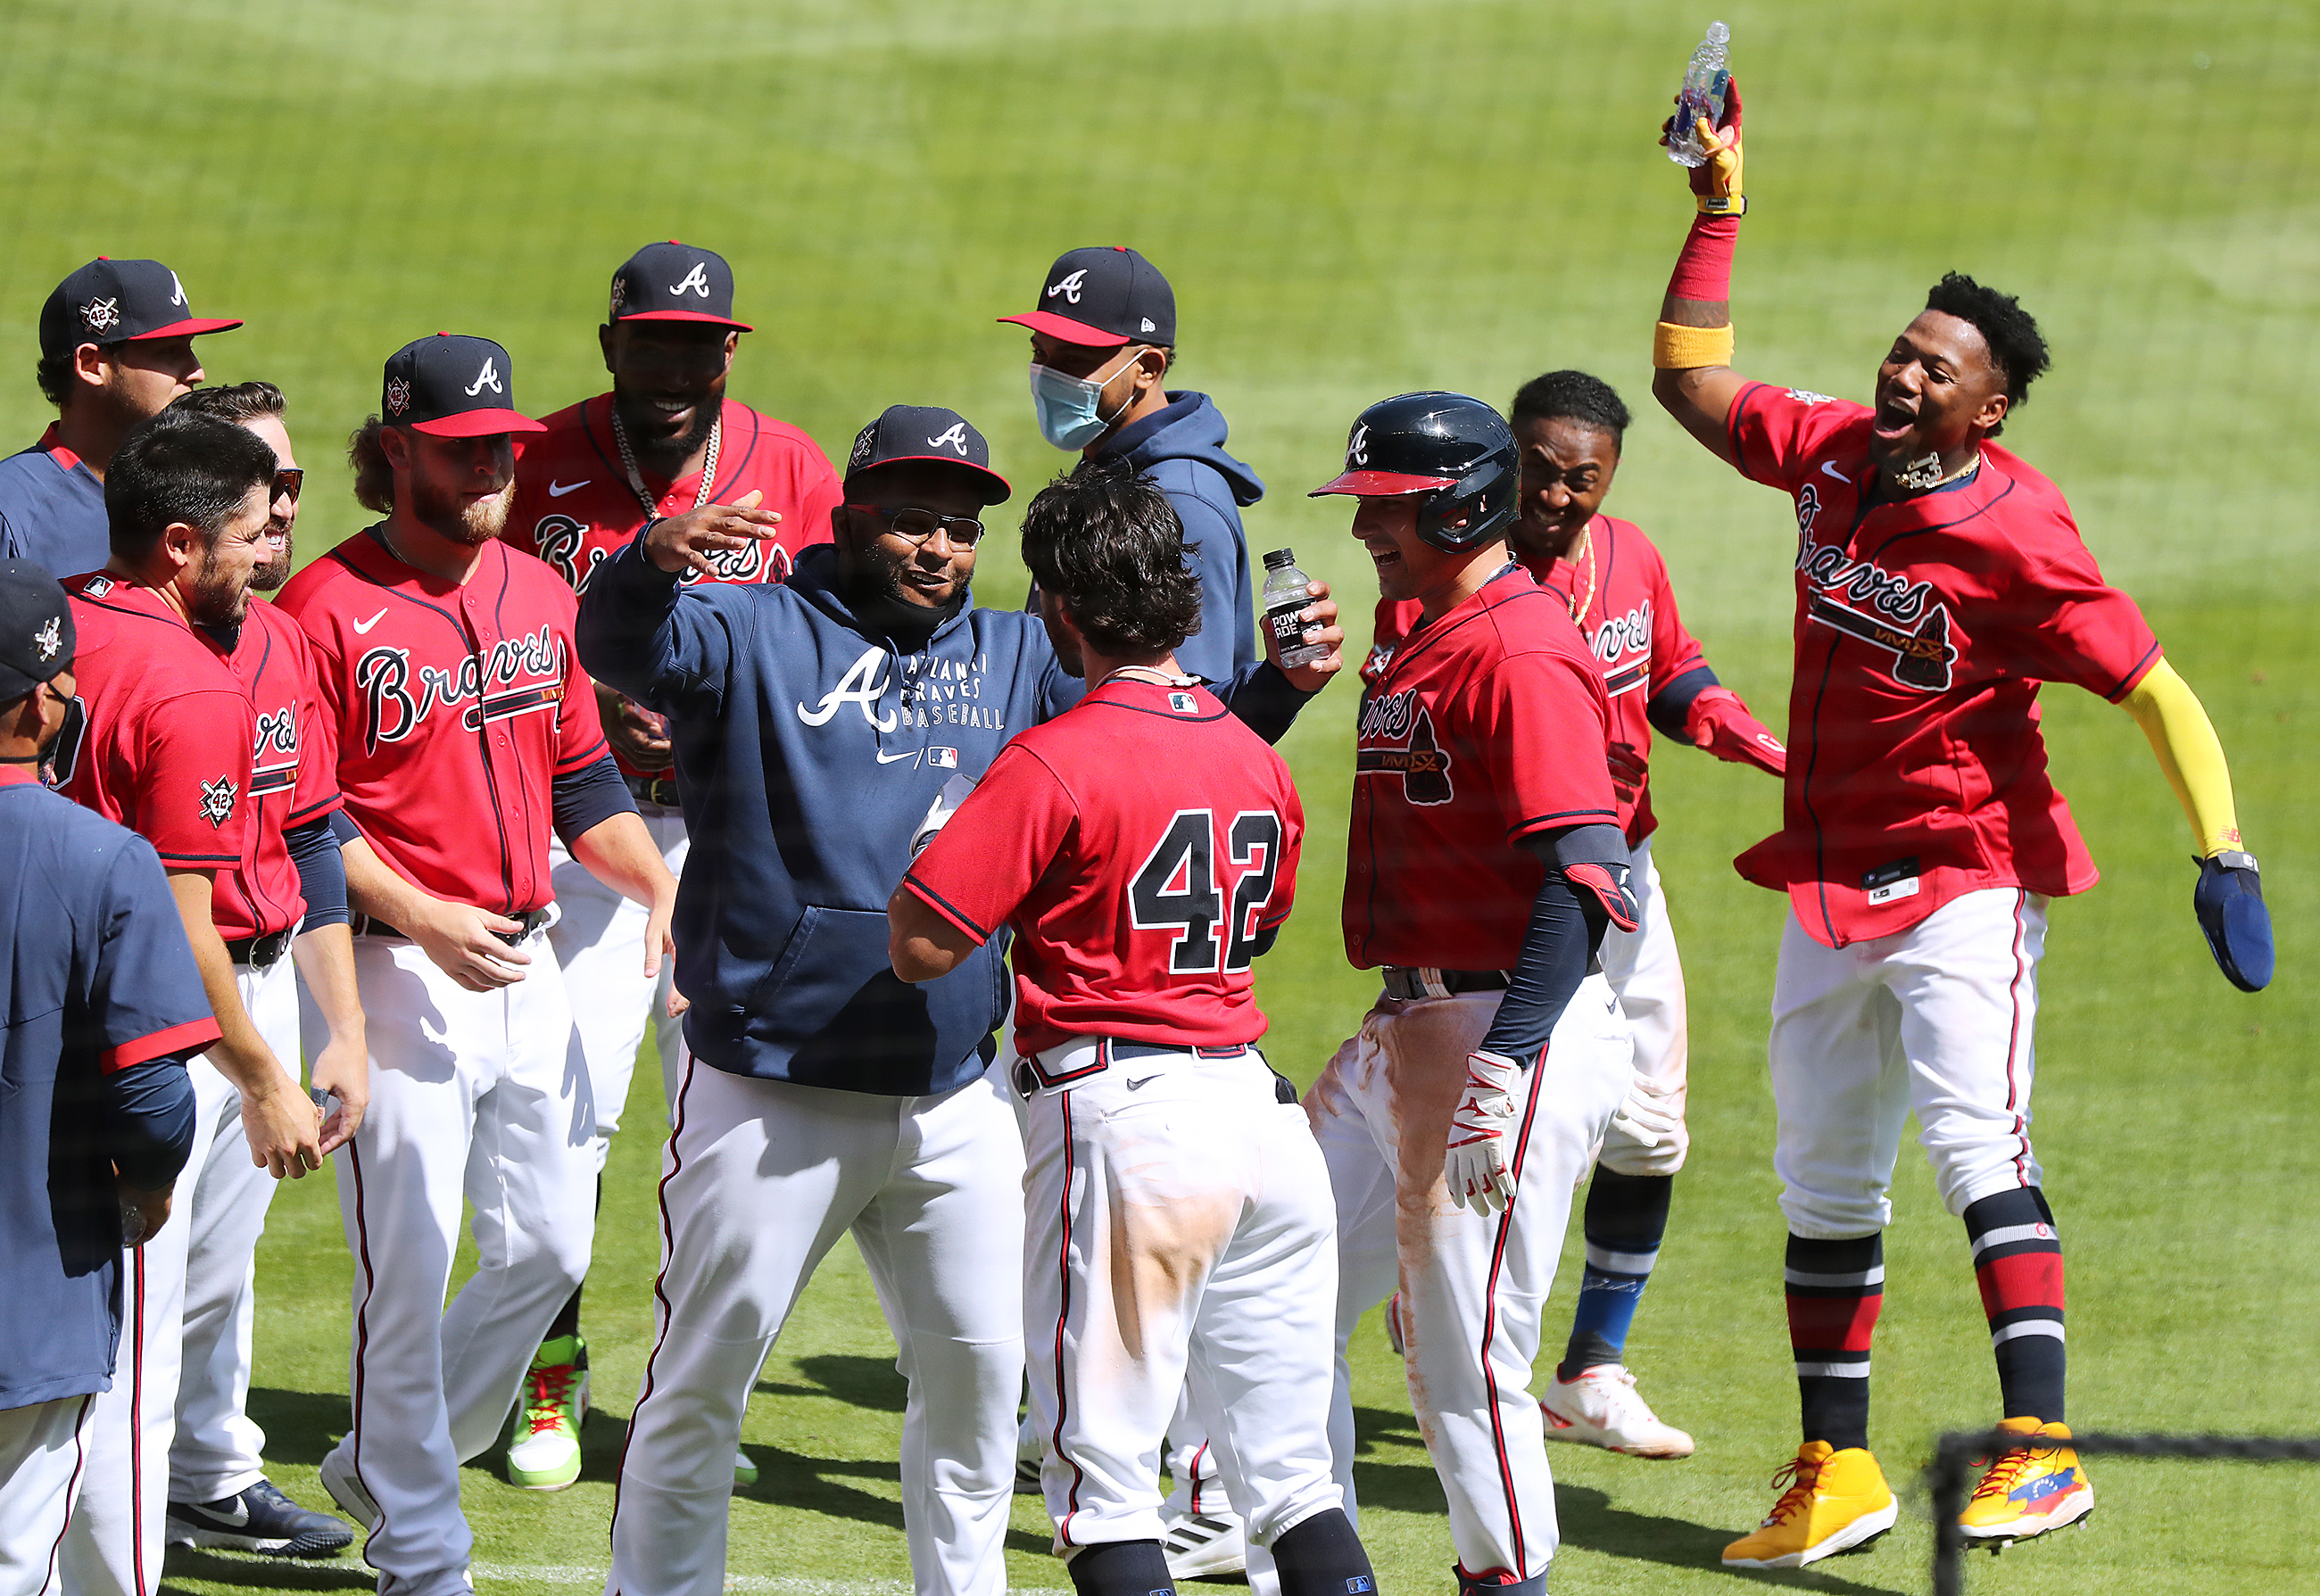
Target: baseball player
(663,441)
(1178,1214)
(167,743)
(104,1004)
(116,345)
(815,722)
(1484,863)
(465,729)
(1570,427)
(1940,580)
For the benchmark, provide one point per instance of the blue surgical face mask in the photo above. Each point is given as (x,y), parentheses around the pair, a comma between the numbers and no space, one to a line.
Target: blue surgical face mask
(1071,408)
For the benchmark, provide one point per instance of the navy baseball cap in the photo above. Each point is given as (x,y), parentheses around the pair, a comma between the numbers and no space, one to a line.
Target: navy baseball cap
(36,629)
(673,282)
(926,432)
(452,387)
(1104,298)
(119,302)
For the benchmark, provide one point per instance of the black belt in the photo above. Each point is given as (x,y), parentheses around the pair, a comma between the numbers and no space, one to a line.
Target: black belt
(653,789)
(261,953)
(530,920)
(1408,982)
(1120,1052)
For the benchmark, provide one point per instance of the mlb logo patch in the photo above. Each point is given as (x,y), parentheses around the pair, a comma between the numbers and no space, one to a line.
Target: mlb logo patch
(1183,704)
(98,587)
(943,758)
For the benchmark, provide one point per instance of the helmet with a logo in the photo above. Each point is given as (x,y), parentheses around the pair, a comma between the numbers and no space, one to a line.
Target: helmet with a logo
(1455,455)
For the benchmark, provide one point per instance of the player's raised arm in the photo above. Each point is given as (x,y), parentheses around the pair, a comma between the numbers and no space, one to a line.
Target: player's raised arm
(631,631)
(1691,349)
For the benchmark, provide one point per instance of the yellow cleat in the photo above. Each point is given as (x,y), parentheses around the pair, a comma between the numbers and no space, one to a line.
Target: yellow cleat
(1832,1501)
(2029,1493)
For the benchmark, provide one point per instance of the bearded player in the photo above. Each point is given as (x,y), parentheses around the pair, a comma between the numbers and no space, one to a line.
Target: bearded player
(662,442)
(466,731)
(1940,580)
(1176,1207)
(1484,865)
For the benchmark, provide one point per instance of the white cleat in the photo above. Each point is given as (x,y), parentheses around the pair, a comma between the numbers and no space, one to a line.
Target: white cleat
(1199,1545)
(338,1479)
(1601,1409)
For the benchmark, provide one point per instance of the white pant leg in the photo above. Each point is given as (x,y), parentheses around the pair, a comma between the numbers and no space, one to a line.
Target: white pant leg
(479,1095)
(217,1452)
(599,938)
(760,1178)
(944,1243)
(1646,972)
(114,1545)
(40,1457)
(1938,1017)
(1192,1461)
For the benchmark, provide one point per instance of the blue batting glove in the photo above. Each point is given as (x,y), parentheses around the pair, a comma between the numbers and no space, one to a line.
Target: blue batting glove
(2229,902)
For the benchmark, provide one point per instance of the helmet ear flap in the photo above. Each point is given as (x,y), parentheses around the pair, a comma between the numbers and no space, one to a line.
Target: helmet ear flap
(1475,510)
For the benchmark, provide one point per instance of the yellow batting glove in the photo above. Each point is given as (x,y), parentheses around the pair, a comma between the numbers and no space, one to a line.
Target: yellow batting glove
(1719,193)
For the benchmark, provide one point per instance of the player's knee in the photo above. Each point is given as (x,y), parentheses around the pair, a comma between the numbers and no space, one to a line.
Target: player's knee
(1623,1155)
(1832,1215)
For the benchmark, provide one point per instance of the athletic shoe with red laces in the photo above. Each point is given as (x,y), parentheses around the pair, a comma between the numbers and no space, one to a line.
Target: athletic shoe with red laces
(1831,1501)
(546,1456)
(1601,1409)
(2029,1491)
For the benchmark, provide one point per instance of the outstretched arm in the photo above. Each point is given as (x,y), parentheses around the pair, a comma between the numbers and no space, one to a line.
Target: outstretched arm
(1691,350)
(2229,898)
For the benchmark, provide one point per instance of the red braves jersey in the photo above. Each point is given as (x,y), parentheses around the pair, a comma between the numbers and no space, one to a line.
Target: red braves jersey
(1137,904)
(453,708)
(166,729)
(1481,729)
(1630,624)
(293,777)
(1923,628)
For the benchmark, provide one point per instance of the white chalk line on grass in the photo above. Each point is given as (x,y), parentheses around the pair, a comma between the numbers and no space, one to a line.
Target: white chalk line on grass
(745,1584)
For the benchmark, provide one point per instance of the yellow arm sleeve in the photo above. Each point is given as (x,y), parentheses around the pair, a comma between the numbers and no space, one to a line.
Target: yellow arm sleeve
(2163,704)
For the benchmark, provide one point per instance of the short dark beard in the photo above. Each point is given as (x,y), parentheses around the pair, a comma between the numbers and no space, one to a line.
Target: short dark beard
(666,456)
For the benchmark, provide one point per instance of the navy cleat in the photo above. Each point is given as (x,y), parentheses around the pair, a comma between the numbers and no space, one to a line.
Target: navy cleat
(258,1519)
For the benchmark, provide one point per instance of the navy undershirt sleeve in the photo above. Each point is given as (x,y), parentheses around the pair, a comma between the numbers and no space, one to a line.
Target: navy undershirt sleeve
(343,828)
(1672,703)
(321,872)
(149,1121)
(1266,701)
(1566,927)
(587,796)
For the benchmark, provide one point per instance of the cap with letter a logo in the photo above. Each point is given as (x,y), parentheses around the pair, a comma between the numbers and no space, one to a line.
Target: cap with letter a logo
(119,302)
(673,282)
(926,432)
(453,386)
(36,629)
(1103,298)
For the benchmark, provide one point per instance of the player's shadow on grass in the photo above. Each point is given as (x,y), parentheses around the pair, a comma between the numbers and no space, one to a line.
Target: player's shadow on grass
(869,1383)
(300,1426)
(346,1572)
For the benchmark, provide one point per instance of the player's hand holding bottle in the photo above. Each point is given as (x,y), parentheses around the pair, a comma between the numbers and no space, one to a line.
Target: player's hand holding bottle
(681,542)
(1321,630)
(1716,182)
(1479,1167)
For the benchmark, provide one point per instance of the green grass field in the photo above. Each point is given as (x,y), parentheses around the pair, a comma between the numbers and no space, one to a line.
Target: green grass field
(1353,198)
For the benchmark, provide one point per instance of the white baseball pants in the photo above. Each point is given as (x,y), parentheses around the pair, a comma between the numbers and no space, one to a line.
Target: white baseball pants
(760,1180)
(1178,1224)
(599,938)
(115,1545)
(474,1095)
(42,1452)
(1471,1288)
(1646,974)
(1937,1019)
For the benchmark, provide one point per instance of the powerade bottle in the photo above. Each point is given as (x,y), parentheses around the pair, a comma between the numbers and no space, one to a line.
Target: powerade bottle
(1704,83)
(1285,598)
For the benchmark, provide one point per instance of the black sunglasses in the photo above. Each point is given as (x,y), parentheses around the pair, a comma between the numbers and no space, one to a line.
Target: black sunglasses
(290,480)
(918,526)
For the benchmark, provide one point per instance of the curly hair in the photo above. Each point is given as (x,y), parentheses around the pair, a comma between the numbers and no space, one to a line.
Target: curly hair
(1571,395)
(2016,348)
(1105,541)
(373,477)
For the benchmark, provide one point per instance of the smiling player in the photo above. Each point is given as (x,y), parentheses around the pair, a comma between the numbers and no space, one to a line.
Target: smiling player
(1940,581)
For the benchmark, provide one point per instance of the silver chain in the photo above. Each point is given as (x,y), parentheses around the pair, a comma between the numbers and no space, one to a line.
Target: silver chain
(636,477)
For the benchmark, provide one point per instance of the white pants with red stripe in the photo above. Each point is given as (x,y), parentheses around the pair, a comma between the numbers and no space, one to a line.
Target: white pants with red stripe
(480,1096)
(42,1452)
(759,1181)
(115,1545)
(1646,973)
(1178,1224)
(599,938)
(1937,1020)
(1471,1288)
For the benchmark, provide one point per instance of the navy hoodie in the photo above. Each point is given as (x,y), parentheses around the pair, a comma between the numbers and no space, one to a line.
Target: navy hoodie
(1182,449)
(808,747)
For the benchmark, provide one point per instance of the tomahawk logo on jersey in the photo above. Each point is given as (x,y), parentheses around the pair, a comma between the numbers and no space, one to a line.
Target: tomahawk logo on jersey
(453,708)
(1923,630)
(1138,906)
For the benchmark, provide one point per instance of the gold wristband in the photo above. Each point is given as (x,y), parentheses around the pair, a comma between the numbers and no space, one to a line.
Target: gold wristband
(1734,204)
(1680,349)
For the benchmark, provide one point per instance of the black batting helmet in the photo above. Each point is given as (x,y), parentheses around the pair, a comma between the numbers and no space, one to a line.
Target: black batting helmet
(1456,452)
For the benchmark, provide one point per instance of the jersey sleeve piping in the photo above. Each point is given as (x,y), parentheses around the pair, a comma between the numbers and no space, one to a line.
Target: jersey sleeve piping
(1559,820)
(1732,429)
(945,908)
(191,1037)
(2133,678)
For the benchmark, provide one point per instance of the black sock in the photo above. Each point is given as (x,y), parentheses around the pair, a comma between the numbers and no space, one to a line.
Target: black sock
(2017,1261)
(1322,1556)
(1835,1289)
(567,1318)
(1122,1568)
(1626,1219)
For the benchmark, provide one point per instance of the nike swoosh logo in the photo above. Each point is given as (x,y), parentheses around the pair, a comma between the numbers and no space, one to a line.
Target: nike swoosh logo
(1139,1086)
(887,759)
(362,628)
(1830,470)
(557,490)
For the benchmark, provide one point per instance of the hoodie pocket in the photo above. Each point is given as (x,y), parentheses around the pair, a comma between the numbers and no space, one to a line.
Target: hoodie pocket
(833,1002)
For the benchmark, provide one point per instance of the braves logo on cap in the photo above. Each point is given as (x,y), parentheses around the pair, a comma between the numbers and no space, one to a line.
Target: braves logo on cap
(217,800)
(1069,286)
(101,315)
(50,641)
(955,438)
(398,396)
(697,280)
(488,377)
(177,292)
(1357,446)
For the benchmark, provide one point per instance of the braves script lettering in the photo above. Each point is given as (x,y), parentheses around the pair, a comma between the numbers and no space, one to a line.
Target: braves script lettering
(385,675)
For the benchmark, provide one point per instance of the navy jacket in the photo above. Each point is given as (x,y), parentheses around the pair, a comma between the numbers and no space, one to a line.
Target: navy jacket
(808,747)
(1182,449)
(52,511)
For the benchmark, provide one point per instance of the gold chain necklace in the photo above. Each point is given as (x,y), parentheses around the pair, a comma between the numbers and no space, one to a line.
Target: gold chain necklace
(636,477)
(1578,611)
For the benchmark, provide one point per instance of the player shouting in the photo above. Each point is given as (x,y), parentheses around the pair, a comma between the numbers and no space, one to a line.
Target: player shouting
(815,723)
(1178,1214)
(465,729)
(1940,580)
(1485,862)
(663,441)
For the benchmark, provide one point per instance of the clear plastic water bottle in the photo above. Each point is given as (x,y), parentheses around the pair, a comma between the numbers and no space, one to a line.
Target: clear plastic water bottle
(1285,598)
(1704,84)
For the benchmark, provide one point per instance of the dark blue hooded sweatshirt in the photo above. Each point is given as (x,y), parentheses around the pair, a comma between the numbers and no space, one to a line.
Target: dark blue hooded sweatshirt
(808,747)
(1182,449)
